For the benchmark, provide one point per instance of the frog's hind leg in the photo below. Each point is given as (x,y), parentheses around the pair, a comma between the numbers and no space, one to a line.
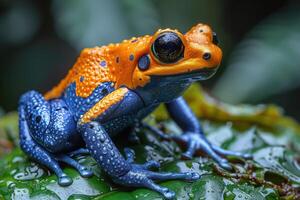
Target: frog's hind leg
(125,171)
(34,150)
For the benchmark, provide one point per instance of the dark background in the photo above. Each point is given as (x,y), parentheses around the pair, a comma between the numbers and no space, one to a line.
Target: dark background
(40,40)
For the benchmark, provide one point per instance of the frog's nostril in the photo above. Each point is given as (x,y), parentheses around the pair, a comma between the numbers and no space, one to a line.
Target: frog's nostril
(206,56)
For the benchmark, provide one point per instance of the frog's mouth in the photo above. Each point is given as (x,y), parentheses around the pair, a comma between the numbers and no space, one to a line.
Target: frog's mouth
(196,67)
(196,75)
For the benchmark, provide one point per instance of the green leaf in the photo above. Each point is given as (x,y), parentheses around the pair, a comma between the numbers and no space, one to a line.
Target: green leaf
(272,174)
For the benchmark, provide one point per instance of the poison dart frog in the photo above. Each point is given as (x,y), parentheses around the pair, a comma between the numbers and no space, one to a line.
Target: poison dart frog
(112,88)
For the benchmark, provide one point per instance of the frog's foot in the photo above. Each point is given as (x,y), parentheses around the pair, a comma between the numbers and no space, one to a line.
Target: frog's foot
(83,171)
(140,176)
(196,142)
(130,155)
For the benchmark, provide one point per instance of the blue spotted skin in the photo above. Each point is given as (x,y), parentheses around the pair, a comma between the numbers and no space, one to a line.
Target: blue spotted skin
(54,131)
(79,105)
(51,132)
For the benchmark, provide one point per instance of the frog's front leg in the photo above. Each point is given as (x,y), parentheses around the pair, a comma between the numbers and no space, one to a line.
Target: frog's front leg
(103,150)
(193,135)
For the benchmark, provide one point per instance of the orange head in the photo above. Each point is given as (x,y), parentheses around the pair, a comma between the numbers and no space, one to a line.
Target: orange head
(169,53)
(152,61)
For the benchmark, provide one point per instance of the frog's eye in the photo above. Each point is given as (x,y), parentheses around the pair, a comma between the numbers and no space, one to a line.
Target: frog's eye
(168,47)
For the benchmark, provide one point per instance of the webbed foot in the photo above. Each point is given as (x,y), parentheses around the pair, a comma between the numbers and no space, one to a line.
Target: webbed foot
(140,176)
(196,142)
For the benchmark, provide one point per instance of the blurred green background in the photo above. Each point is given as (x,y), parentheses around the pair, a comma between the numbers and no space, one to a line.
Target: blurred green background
(40,40)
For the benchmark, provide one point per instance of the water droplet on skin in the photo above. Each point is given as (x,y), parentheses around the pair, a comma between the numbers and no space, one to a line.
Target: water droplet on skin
(110,146)
(104,150)
(102,138)
(112,153)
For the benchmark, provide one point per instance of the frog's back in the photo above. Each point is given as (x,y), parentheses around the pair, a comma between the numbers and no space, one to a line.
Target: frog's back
(99,71)
(92,68)
(91,78)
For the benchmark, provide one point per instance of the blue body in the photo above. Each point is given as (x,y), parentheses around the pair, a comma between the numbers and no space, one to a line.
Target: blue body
(50,131)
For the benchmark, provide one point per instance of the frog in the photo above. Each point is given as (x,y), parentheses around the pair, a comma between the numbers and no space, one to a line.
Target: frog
(111,89)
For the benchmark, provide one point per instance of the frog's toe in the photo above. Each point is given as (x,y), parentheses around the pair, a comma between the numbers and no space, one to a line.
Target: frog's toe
(161,176)
(192,176)
(129,154)
(196,142)
(225,165)
(64,180)
(85,172)
(225,152)
(151,164)
(186,156)
(192,148)
(247,155)
(168,194)
(139,175)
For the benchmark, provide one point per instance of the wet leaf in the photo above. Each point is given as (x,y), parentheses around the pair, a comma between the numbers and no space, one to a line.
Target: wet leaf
(278,160)
(24,179)
(262,130)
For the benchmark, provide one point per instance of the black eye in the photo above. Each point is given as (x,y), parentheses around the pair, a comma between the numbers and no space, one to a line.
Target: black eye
(168,47)
(215,39)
